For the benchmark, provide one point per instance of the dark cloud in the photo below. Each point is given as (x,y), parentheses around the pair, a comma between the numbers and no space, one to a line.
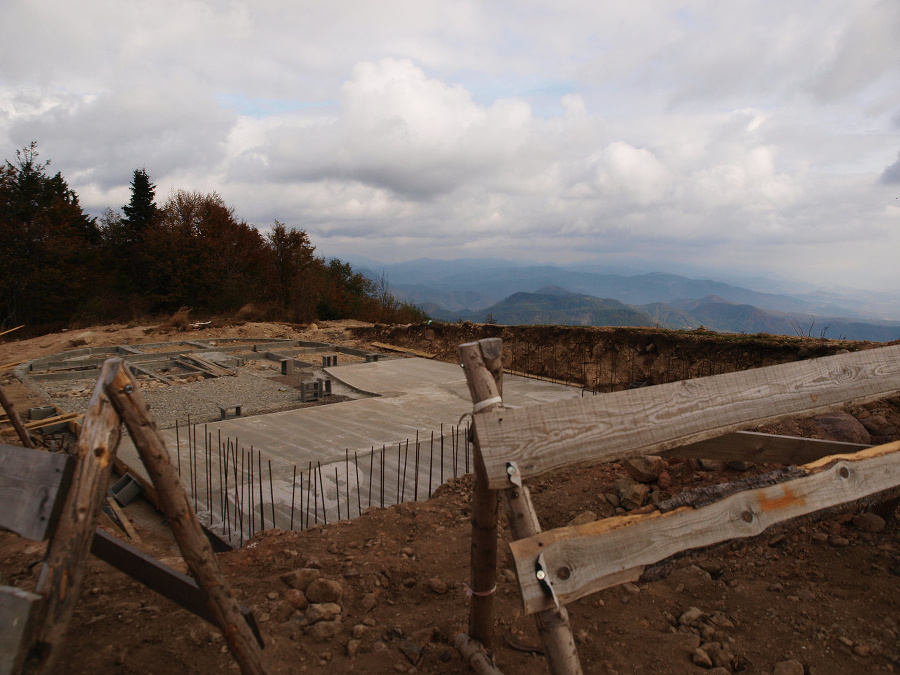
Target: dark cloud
(891,175)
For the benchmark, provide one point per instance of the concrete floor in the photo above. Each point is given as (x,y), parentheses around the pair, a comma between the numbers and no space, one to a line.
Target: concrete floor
(412,396)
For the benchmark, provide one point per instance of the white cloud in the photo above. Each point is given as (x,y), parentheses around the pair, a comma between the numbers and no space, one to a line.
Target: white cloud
(550,130)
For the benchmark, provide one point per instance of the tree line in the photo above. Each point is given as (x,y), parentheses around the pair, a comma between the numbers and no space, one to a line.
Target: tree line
(58,266)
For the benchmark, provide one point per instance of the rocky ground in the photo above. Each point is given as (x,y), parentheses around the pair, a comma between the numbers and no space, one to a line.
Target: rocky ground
(386,592)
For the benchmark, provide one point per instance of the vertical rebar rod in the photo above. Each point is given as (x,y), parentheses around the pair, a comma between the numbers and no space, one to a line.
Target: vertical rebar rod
(371,471)
(225,508)
(206,467)
(272,493)
(358,494)
(416,479)
(347,476)
(309,482)
(397,496)
(322,488)
(252,512)
(262,509)
(178,448)
(405,462)
(337,492)
(191,467)
(430,464)
(293,491)
(241,499)
(222,494)
(442,453)
(467,447)
(301,500)
(382,475)
(315,497)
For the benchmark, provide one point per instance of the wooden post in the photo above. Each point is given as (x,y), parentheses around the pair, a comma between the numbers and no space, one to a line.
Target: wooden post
(125,396)
(63,568)
(552,624)
(10,409)
(485,391)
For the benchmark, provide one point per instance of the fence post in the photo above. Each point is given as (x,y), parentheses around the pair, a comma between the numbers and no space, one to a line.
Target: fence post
(485,385)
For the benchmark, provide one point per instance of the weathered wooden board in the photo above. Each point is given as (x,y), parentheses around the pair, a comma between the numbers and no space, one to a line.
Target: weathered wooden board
(751,446)
(18,610)
(587,558)
(403,350)
(653,419)
(29,483)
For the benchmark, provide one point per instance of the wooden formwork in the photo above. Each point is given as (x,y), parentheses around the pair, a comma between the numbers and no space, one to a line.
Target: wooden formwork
(704,418)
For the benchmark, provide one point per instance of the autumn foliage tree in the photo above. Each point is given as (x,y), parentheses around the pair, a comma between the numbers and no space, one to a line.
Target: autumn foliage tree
(193,251)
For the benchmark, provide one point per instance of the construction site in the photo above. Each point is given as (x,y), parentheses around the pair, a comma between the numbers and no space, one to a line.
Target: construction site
(679,502)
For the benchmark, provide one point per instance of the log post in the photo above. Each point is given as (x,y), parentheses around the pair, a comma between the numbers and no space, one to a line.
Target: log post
(552,624)
(63,568)
(485,391)
(13,415)
(474,656)
(123,392)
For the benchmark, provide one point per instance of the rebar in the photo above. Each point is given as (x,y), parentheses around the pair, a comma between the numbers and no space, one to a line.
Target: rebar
(272,493)
(293,491)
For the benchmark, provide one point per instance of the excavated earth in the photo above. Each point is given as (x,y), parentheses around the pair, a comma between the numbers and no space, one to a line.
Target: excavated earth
(389,589)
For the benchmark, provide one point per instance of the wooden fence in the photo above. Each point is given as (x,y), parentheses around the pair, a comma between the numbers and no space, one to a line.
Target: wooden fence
(693,418)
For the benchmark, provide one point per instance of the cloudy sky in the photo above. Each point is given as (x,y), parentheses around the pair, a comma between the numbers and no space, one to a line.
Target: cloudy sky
(752,136)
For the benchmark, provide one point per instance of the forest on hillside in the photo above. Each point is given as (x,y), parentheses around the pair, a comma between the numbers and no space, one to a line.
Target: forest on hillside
(58,266)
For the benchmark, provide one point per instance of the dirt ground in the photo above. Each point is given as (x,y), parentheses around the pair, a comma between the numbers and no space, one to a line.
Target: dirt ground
(818,597)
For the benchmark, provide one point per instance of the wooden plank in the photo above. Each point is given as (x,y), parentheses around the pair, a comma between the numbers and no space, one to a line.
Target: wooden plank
(29,483)
(587,558)
(402,350)
(63,568)
(18,612)
(46,422)
(752,446)
(10,365)
(651,420)
(149,373)
(123,520)
(18,427)
(11,330)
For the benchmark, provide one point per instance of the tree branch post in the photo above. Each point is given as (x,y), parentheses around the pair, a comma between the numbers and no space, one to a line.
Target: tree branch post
(125,396)
(485,386)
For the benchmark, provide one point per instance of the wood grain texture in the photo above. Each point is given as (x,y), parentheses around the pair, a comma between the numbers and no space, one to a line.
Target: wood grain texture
(125,396)
(751,446)
(653,419)
(60,580)
(588,558)
(29,483)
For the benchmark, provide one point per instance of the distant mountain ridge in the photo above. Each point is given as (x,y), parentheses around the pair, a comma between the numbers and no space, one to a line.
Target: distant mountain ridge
(525,292)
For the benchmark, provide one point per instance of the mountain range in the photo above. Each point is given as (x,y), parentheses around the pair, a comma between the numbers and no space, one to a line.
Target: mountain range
(519,292)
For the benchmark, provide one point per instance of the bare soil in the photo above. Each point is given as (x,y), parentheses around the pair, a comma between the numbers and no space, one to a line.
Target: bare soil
(823,592)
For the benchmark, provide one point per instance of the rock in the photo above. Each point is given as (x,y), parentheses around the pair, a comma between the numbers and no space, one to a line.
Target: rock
(324,630)
(820,537)
(369,602)
(806,595)
(324,590)
(664,480)
(869,522)
(583,518)
(350,573)
(789,667)
(718,671)
(282,611)
(359,630)
(841,426)
(701,658)
(81,339)
(411,651)
(429,335)
(613,500)
(296,598)
(738,465)
(353,647)
(301,578)
(877,425)
(839,542)
(644,469)
(711,464)
(437,585)
(326,611)
(632,495)
(862,650)
(691,617)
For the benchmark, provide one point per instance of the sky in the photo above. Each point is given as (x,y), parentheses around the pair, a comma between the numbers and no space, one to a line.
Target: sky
(748,136)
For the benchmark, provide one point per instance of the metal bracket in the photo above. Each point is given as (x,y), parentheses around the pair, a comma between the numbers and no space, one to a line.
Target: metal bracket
(543,577)
(515,476)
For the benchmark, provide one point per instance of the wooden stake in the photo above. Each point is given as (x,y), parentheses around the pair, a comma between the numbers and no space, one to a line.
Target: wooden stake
(485,391)
(63,568)
(121,389)
(10,409)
